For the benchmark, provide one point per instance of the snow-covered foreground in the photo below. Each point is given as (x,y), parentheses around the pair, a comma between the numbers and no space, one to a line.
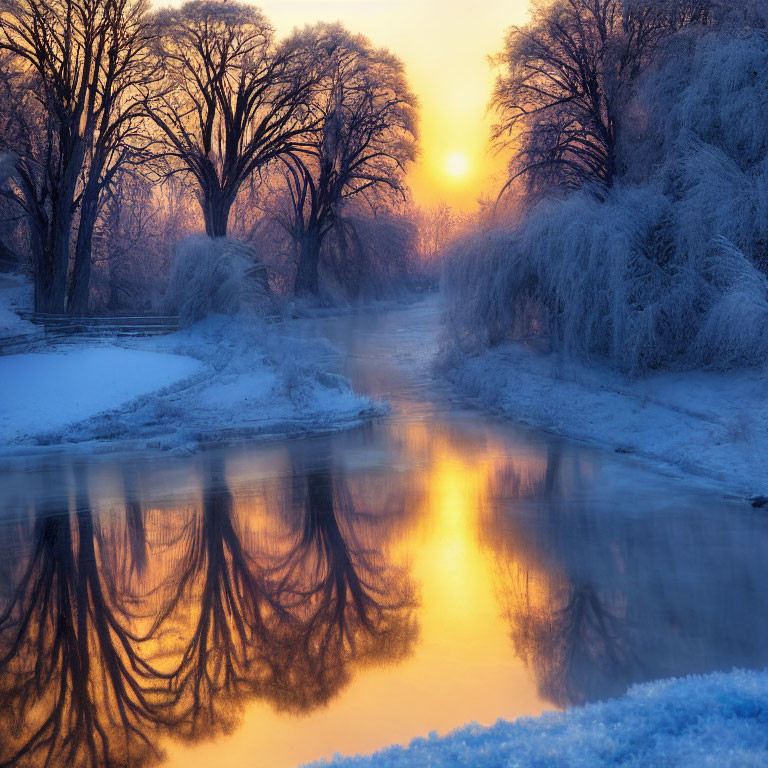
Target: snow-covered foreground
(43,392)
(710,424)
(720,720)
(224,378)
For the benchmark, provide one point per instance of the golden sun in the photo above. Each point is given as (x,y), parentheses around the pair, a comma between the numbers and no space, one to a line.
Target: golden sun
(457,165)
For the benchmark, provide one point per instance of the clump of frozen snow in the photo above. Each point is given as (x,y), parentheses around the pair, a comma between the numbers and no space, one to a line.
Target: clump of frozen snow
(720,720)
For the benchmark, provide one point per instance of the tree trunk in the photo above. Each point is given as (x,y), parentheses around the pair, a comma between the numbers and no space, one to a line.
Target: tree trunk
(62,227)
(41,265)
(63,214)
(307,273)
(216,206)
(81,274)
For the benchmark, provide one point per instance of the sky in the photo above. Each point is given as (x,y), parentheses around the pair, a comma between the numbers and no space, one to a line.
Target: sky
(444,45)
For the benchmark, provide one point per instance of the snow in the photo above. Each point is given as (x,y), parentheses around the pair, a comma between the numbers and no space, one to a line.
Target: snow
(223,378)
(706,423)
(720,720)
(44,392)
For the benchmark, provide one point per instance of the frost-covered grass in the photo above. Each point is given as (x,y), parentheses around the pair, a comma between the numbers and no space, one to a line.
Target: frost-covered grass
(720,721)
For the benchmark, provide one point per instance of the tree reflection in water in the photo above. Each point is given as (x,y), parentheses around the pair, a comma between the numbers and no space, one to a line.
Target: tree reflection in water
(351,607)
(119,630)
(579,649)
(217,612)
(599,597)
(74,688)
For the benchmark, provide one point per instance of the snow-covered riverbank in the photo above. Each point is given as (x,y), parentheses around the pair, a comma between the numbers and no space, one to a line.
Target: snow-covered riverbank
(720,720)
(710,424)
(43,392)
(222,379)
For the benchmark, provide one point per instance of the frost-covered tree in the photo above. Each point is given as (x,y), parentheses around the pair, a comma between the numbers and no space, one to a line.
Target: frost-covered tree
(362,137)
(234,99)
(565,77)
(667,268)
(370,255)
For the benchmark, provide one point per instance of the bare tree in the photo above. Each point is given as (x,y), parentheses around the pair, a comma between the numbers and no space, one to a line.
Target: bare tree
(119,135)
(69,80)
(565,77)
(363,136)
(234,99)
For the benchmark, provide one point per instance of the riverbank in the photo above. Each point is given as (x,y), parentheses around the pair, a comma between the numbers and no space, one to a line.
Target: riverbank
(222,379)
(720,720)
(708,424)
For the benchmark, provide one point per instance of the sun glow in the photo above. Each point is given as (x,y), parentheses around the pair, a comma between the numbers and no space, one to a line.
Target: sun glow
(457,165)
(445,48)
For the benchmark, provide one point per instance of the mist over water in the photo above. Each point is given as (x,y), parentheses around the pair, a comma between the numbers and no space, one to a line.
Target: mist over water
(273,604)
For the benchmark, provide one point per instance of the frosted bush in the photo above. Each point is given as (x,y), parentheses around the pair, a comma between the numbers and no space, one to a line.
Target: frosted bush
(665,270)
(613,280)
(710,87)
(214,276)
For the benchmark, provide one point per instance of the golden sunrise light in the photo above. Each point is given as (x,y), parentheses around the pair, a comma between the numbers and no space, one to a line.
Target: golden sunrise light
(368,398)
(445,45)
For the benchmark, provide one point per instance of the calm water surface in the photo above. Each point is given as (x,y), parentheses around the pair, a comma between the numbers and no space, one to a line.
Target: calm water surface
(271,605)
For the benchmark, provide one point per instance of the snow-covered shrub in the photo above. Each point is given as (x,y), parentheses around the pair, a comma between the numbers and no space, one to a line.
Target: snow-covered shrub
(708,88)
(214,276)
(667,268)
(614,279)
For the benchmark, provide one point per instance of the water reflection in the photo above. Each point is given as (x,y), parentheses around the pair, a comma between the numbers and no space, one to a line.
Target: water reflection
(272,605)
(353,607)
(74,686)
(117,627)
(599,596)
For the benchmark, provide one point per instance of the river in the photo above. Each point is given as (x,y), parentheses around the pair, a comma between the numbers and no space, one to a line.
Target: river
(267,605)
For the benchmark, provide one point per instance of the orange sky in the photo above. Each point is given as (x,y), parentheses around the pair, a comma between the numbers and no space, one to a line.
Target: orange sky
(445,45)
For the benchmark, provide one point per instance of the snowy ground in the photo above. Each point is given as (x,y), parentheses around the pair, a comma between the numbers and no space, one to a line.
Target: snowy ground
(42,393)
(720,721)
(222,379)
(714,425)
